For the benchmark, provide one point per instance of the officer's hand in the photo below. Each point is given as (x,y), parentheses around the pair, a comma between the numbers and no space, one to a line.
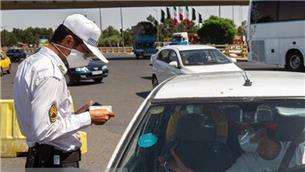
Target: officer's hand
(100,116)
(85,107)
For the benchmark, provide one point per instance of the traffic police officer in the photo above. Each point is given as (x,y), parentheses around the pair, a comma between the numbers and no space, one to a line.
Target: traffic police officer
(42,100)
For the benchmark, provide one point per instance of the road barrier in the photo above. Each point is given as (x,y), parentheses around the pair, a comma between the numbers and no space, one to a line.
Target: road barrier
(13,143)
(240,52)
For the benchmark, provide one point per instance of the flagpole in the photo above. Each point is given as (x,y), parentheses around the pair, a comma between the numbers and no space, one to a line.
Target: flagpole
(158,37)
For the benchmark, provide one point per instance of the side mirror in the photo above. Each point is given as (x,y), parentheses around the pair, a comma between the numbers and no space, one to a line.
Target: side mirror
(174,64)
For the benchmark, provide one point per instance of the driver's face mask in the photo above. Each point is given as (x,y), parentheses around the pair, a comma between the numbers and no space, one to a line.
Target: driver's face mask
(246,141)
(75,58)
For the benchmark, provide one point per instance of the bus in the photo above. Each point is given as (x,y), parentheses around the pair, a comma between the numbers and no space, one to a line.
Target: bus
(276,33)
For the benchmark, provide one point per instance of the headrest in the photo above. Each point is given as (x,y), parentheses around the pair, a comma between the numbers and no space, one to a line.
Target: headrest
(264,113)
(196,127)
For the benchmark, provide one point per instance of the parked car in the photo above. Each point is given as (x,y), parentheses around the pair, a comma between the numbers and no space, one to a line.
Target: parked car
(96,70)
(199,117)
(16,54)
(5,63)
(180,59)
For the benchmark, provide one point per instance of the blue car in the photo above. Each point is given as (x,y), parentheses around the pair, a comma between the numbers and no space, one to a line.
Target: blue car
(96,70)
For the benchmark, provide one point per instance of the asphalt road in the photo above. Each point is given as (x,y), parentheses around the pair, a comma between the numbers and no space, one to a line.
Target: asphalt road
(128,83)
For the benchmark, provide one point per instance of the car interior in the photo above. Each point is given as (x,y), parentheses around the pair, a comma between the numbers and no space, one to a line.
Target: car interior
(207,143)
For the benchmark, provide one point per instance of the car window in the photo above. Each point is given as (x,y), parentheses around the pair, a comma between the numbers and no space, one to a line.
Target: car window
(163,55)
(203,57)
(205,135)
(173,56)
(144,142)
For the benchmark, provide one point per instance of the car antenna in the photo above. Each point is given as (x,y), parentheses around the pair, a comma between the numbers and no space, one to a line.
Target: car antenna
(247,83)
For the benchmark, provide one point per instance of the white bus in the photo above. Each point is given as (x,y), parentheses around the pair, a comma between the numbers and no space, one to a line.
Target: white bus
(276,33)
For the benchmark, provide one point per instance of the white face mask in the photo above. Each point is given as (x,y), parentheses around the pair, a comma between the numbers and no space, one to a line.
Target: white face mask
(245,142)
(75,58)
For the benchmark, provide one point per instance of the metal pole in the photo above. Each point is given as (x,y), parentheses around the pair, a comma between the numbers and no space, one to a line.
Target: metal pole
(100,12)
(122,27)
(240,14)
(219,11)
(233,13)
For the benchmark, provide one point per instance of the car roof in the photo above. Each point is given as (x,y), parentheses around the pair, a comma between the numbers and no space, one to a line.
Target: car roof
(231,84)
(188,47)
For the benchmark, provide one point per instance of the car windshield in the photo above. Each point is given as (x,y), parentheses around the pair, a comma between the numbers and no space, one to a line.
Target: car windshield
(177,38)
(206,135)
(15,51)
(203,57)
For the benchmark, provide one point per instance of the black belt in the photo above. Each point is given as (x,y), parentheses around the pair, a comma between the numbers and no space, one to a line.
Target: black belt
(47,156)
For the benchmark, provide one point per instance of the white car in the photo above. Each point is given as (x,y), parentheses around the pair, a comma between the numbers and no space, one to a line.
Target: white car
(180,59)
(201,121)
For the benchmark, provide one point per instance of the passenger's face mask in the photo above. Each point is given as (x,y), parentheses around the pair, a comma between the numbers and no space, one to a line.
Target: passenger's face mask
(245,141)
(75,58)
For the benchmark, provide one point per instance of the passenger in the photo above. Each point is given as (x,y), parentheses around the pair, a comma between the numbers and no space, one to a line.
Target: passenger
(262,152)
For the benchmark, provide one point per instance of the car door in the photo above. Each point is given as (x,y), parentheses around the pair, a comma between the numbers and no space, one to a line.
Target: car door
(143,144)
(160,65)
(172,70)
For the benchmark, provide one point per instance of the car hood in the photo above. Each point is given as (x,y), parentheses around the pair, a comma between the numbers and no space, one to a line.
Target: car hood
(211,68)
(96,64)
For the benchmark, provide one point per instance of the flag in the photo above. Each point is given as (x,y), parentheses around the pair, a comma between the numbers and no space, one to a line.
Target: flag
(200,18)
(187,15)
(168,13)
(162,16)
(180,14)
(174,20)
(193,14)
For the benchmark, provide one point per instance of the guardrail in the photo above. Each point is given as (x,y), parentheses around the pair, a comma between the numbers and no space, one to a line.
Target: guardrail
(240,52)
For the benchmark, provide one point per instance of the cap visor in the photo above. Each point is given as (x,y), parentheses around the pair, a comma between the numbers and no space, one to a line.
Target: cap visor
(96,52)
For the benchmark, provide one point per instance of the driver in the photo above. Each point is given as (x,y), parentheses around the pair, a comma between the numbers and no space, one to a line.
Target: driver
(261,151)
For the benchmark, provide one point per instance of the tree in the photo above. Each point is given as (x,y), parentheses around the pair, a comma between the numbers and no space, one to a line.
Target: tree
(29,35)
(153,20)
(7,38)
(217,30)
(128,37)
(110,37)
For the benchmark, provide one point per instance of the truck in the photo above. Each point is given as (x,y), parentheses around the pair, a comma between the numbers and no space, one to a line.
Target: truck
(184,38)
(144,38)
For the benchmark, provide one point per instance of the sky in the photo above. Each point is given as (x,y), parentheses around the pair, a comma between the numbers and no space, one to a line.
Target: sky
(109,16)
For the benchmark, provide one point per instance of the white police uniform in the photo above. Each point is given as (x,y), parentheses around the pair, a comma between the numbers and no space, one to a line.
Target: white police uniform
(42,103)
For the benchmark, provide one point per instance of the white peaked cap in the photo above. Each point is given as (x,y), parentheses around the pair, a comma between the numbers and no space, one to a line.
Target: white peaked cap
(86,30)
